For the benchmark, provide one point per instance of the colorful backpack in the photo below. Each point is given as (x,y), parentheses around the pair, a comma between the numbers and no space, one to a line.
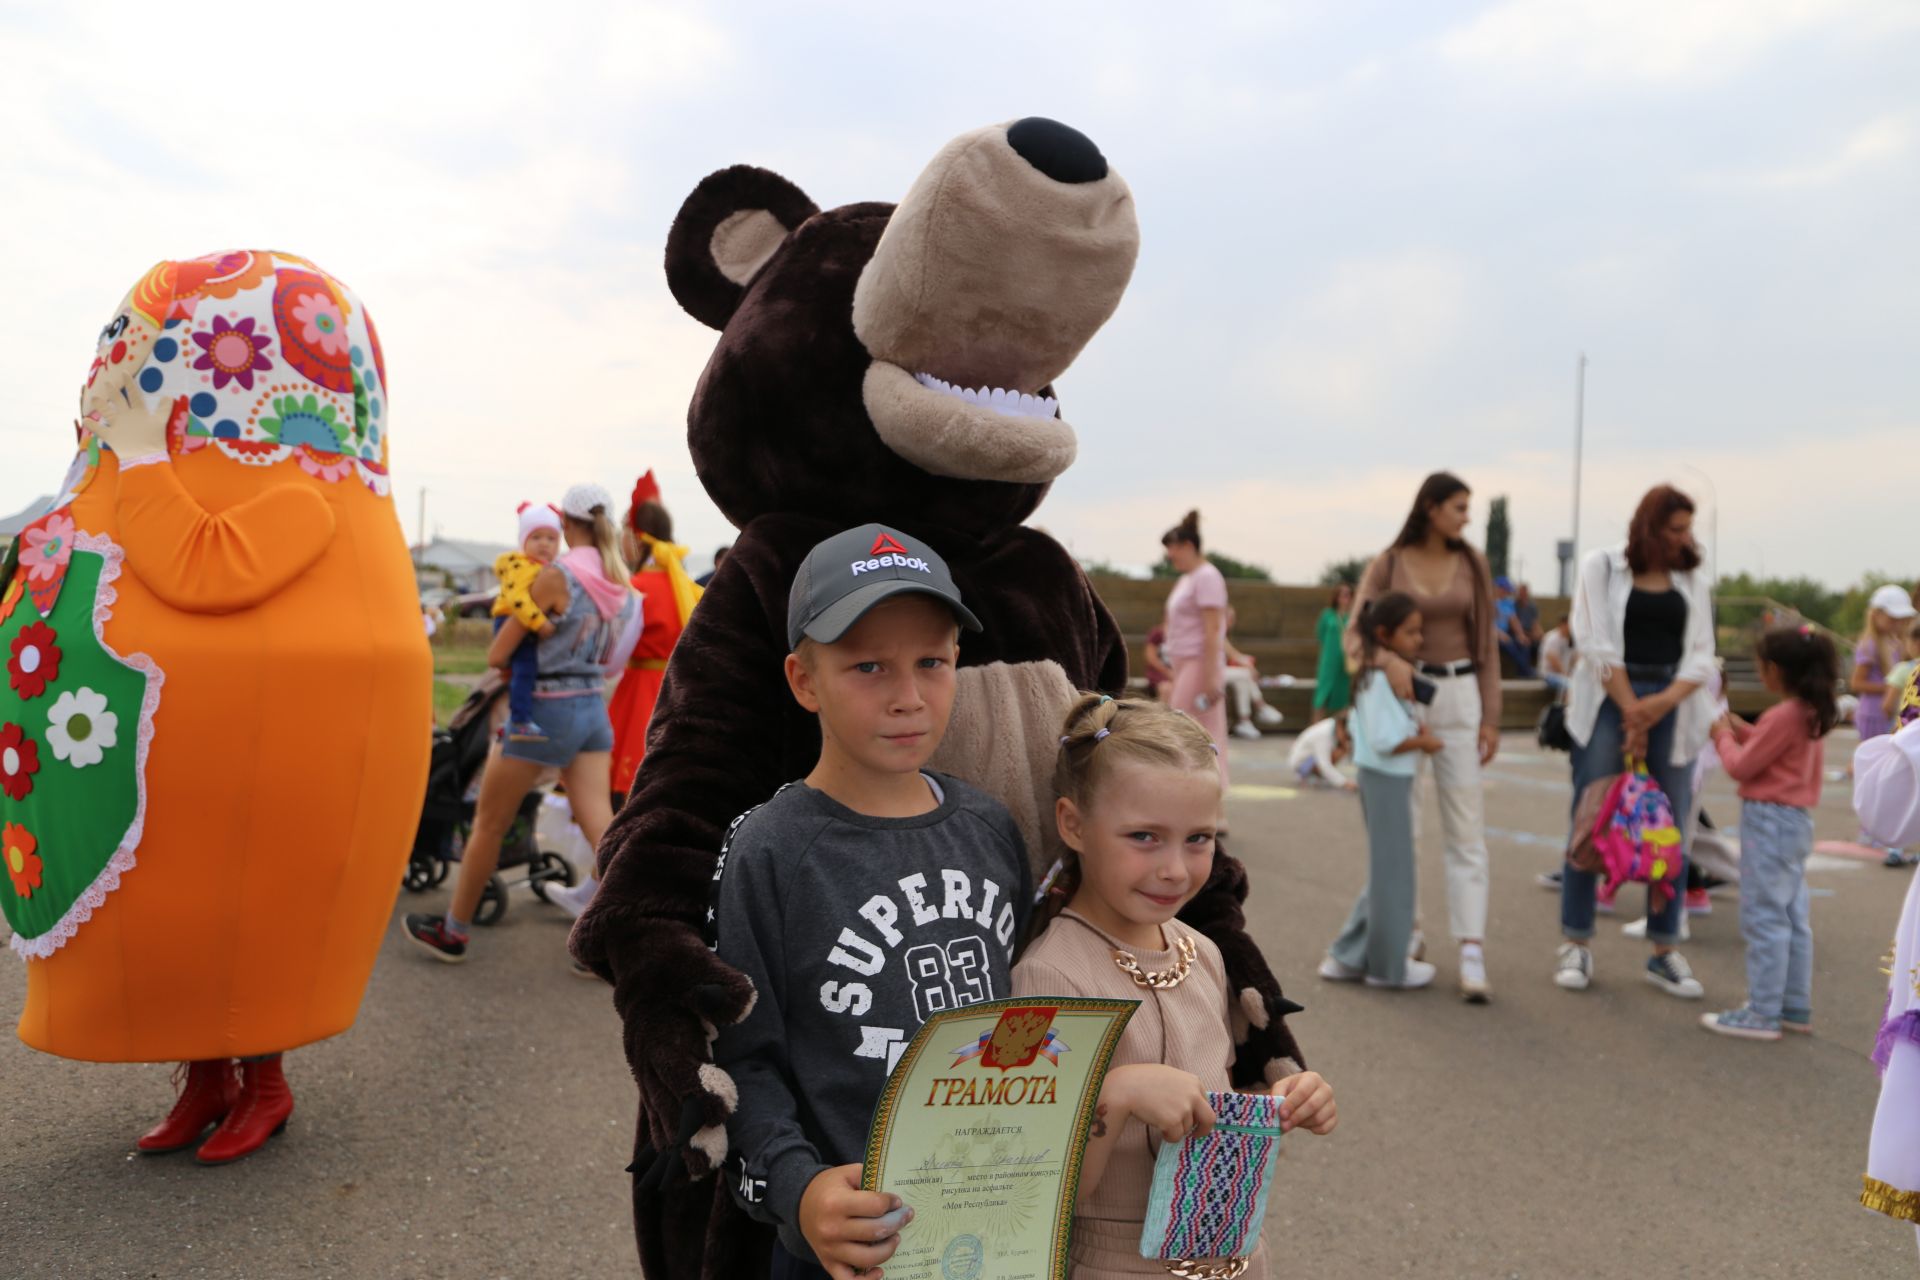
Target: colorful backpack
(1635,835)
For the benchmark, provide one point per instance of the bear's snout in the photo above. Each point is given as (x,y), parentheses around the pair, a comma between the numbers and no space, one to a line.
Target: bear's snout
(1009,253)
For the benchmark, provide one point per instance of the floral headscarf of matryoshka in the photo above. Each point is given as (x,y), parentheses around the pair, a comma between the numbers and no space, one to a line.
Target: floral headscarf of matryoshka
(259,355)
(1909,709)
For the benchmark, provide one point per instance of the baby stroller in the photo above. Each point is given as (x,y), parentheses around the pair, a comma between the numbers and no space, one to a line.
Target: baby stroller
(446,815)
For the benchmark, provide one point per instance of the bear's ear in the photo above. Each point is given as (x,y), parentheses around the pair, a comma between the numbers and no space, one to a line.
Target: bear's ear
(726,231)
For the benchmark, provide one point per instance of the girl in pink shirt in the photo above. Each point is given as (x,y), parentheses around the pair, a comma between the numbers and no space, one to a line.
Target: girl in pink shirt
(1777,762)
(1196,625)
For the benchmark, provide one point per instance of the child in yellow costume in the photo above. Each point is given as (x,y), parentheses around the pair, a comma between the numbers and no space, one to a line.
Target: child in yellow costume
(539,544)
(216,717)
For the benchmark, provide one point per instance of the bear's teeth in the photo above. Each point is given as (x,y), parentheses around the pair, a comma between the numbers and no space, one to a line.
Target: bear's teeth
(1015,404)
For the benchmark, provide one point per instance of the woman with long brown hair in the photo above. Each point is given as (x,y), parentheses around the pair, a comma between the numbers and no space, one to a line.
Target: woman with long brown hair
(1458,674)
(1643,627)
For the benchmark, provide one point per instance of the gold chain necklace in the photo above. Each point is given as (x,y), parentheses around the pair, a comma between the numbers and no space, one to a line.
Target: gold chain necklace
(1225,1269)
(1157,980)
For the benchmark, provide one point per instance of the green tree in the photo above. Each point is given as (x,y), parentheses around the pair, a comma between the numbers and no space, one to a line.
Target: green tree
(1499,535)
(1812,600)
(1226,564)
(1347,571)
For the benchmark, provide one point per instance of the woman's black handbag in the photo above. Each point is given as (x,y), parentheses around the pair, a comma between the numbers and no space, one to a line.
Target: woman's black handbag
(1551,731)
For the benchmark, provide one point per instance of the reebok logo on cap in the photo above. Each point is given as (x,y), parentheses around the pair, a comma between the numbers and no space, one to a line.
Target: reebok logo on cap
(888,553)
(881,563)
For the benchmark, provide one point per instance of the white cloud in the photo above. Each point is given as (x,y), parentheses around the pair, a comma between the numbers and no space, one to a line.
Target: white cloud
(1872,146)
(1375,327)
(1656,42)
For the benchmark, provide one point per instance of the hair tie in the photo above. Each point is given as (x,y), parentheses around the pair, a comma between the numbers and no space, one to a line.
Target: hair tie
(1806,631)
(1213,746)
(1105,698)
(1098,734)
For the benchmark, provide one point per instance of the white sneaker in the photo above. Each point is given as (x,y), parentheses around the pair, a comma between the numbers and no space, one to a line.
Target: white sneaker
(1638,929)
(574,900)
(1575,970)
(1246,731)
(1419,974)
(1333,971)
(1267,718)
(1473,976)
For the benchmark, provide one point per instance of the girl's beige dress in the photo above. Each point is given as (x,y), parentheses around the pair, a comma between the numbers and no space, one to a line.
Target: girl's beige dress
(1186,1027)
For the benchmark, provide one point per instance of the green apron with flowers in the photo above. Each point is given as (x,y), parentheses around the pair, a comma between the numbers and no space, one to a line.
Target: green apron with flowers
(73,715)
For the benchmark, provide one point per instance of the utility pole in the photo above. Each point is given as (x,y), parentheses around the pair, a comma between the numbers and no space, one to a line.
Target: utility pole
(1579,427)
(1568,550)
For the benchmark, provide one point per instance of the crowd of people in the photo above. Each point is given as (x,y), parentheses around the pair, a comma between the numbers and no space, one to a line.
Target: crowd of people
(1408,685)
(1407,688)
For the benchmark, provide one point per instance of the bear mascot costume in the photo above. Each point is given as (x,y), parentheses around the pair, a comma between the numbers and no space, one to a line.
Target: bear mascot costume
(876,363)
(217,713)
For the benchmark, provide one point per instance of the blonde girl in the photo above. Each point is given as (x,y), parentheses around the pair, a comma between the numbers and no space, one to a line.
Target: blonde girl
(1138,807)
(1889,610)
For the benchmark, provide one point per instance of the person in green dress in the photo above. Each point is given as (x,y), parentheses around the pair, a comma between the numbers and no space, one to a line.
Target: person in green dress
(1331,691)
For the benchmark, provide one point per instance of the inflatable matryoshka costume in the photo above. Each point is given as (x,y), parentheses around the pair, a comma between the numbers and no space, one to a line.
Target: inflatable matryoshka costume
(215,724)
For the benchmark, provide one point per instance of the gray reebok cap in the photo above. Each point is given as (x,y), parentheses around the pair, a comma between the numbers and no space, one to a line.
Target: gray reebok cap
(849,573)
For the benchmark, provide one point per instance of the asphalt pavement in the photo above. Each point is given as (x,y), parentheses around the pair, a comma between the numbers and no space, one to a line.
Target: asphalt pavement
(475,1122)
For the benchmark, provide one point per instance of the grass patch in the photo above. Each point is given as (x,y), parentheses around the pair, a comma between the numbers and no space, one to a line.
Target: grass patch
(447,698)
(459,659)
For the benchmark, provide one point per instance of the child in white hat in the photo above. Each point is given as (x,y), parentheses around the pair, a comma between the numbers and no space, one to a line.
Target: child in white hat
(539,544)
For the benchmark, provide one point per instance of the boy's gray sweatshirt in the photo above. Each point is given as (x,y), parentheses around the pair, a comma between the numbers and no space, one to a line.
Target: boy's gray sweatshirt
(853,929)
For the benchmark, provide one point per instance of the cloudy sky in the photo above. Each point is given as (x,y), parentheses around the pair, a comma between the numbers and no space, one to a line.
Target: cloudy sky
(1374,238)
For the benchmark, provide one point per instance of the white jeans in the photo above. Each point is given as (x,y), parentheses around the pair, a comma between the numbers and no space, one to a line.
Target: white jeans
(1242,694)
(1454,771)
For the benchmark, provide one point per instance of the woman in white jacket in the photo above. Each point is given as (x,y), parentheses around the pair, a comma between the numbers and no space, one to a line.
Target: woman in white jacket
(1643,626)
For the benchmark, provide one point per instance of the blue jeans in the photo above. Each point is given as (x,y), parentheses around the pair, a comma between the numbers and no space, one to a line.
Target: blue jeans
(1599,757)
(1520,655)
(523,669)
(1775,840)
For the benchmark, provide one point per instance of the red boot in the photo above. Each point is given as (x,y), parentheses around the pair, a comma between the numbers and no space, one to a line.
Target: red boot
(206,1098)
(262,1110)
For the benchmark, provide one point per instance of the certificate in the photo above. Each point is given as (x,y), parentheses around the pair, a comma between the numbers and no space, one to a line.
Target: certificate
(981,1129)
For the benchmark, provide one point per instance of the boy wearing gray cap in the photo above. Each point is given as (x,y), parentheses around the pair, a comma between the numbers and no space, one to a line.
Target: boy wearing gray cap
(860,899)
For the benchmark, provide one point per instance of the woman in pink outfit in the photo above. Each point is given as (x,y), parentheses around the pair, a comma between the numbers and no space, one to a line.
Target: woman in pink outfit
(1196,626)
